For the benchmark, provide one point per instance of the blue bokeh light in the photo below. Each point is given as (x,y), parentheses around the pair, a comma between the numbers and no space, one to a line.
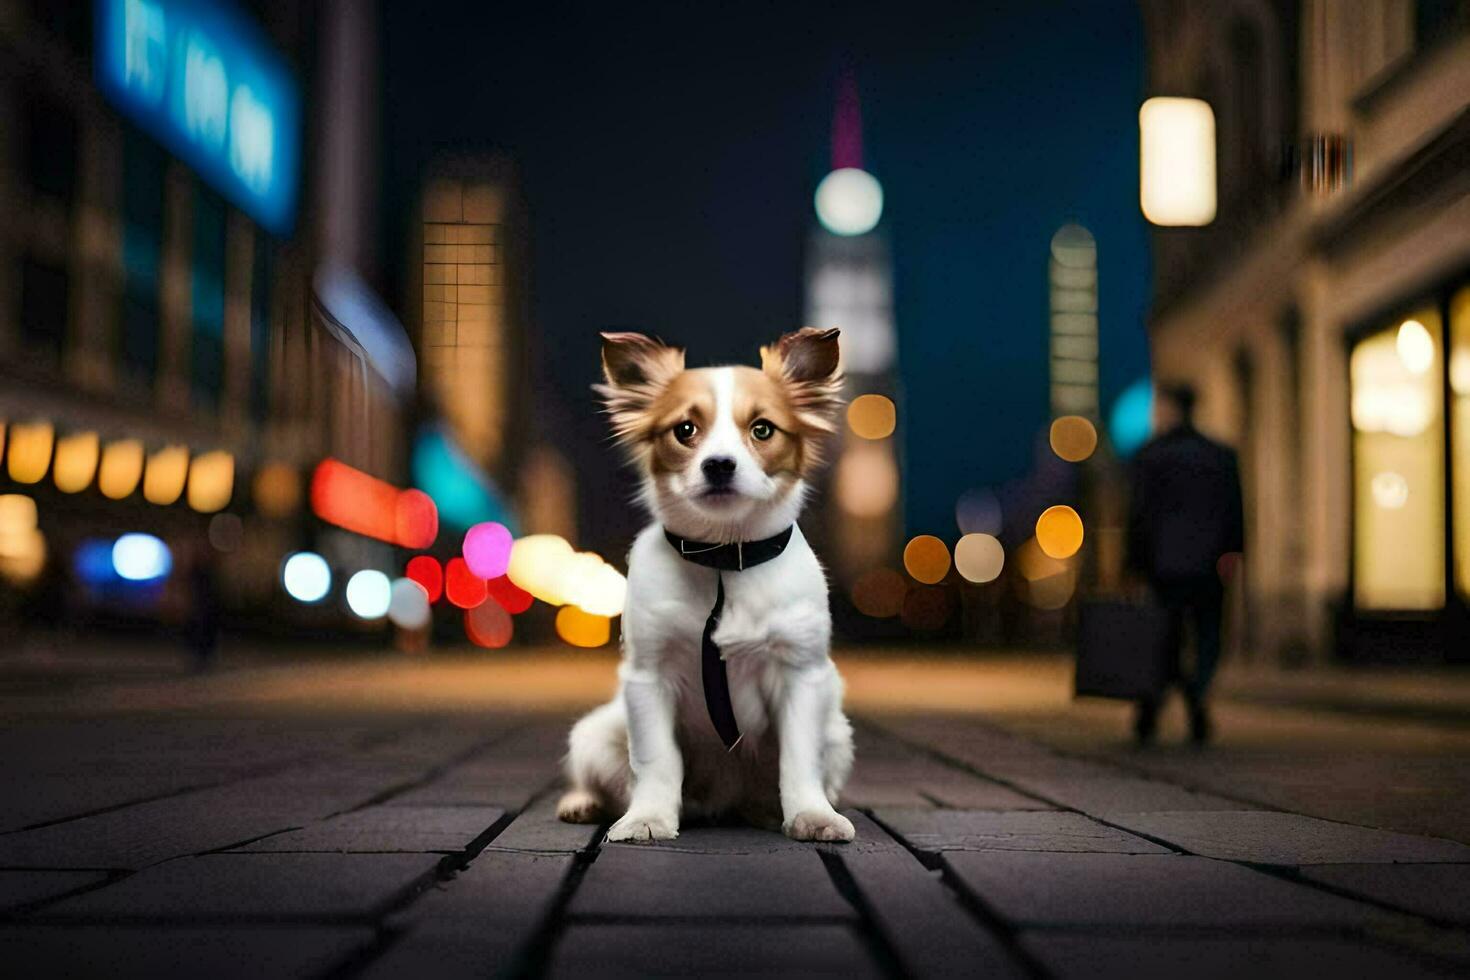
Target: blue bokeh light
(1131,421)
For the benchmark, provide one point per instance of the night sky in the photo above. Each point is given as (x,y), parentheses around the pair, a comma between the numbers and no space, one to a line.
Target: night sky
(668,156)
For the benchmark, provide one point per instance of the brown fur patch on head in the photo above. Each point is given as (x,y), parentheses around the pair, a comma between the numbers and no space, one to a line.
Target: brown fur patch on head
(791,449)
(690,397)
(637,370)
(805,364)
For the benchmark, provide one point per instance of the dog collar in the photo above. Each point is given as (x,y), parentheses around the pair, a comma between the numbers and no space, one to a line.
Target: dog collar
(734,557)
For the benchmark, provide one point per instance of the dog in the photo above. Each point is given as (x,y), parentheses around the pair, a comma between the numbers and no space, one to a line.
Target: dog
(728,702)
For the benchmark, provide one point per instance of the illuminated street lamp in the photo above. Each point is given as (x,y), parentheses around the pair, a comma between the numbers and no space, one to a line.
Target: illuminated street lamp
(1176,142)
(849,200)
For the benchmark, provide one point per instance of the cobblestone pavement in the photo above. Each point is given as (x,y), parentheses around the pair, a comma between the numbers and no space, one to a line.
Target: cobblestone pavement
(266,834)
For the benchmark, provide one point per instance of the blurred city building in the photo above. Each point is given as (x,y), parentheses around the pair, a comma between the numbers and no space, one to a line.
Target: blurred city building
(1324,315)
(849,285)
(173,175)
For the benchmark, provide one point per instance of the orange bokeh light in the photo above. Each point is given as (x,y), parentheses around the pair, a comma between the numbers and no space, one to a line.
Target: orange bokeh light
(879,593)
(926,558)
(582,629)
(1059,531)
(511,597)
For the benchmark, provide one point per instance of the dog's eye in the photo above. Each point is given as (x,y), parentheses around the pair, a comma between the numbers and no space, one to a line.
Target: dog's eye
(684,432)
(762,429)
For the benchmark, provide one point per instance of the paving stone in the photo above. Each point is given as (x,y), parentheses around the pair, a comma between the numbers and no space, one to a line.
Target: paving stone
(244,887)
(511,788)
(979,830)
(722,839)
(636,881)
(147,953)
(143,834)
(970,793)
(1436,891)
(656,950)
(1103,795)
(24,887)
(511,890)
(538,830)
(1265,837)
(1145,889)
(1104,957)
(922,921)
(388,829)
(479,923)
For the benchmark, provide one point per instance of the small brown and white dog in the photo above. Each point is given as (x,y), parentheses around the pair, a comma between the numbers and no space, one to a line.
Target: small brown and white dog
(725,454)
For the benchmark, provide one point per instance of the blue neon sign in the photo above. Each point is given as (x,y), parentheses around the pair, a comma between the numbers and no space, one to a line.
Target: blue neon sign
(206,83)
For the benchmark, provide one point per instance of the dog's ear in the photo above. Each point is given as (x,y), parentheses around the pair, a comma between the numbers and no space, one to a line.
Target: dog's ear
(805,362)
(632,359)
(637,369)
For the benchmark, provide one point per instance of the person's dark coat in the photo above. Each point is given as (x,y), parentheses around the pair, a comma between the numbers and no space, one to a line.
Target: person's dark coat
(1186,509)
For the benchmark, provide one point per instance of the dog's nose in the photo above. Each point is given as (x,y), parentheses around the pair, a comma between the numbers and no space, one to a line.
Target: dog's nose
(719,470)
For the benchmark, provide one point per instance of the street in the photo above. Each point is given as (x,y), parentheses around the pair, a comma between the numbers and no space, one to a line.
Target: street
(384,817)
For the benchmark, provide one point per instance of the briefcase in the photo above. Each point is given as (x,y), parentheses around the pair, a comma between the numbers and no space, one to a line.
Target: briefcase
(1123,649)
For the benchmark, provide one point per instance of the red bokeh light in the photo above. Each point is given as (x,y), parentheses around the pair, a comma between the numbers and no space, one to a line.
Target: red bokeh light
(512,598)
(426,571)
(365,505)
(461,586)
(488,625)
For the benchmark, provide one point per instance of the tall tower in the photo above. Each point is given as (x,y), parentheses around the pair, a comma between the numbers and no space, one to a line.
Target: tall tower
(1073,277)
(849,285)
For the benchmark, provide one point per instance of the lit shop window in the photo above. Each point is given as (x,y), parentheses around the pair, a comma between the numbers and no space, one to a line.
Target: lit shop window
(1398,466)
(1460,426)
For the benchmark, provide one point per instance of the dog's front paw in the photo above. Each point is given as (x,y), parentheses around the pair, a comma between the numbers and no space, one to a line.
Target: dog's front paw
(820,825)
(645,826)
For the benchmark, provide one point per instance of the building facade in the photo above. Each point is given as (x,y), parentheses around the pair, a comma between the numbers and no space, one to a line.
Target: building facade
(1324,316)
(161,358)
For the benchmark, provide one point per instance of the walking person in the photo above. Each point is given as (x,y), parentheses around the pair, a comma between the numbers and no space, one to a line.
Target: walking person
(1186,529)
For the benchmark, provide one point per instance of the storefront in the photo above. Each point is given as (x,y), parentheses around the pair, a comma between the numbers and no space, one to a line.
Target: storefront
(1409,377)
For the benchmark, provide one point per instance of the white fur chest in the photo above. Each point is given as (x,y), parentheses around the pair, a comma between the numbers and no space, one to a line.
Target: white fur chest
(774,614)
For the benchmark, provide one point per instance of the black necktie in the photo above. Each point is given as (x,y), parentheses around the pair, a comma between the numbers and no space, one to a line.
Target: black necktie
(734,557)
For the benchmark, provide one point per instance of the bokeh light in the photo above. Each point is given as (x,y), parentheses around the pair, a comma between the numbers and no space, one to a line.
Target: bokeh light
(408,605)
(226,531)
(488,625)
(1177,161)
(872,416)
(926,558)
(463,587)
(879,593)
(22,545)
(866,481)
(927,610)
(978,512)
(487,549)
(594,586)
(535,565)
(306,577)
(979,558)
(277,490)
(1390,490)
(211,481)
(1047,583)
(29,451)
(1131,420)
(581,628)
(1415,346)
(428,573)
(369,593)
(76,462)
(849,201)
(1073,438)
(121,469)
(92,562)
(415,519)
(163,480)
(141,557)
(1059,531)
(511,597)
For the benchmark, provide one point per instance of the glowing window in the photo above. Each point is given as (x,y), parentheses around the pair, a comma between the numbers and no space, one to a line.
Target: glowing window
(1460,426)
(1398,466)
